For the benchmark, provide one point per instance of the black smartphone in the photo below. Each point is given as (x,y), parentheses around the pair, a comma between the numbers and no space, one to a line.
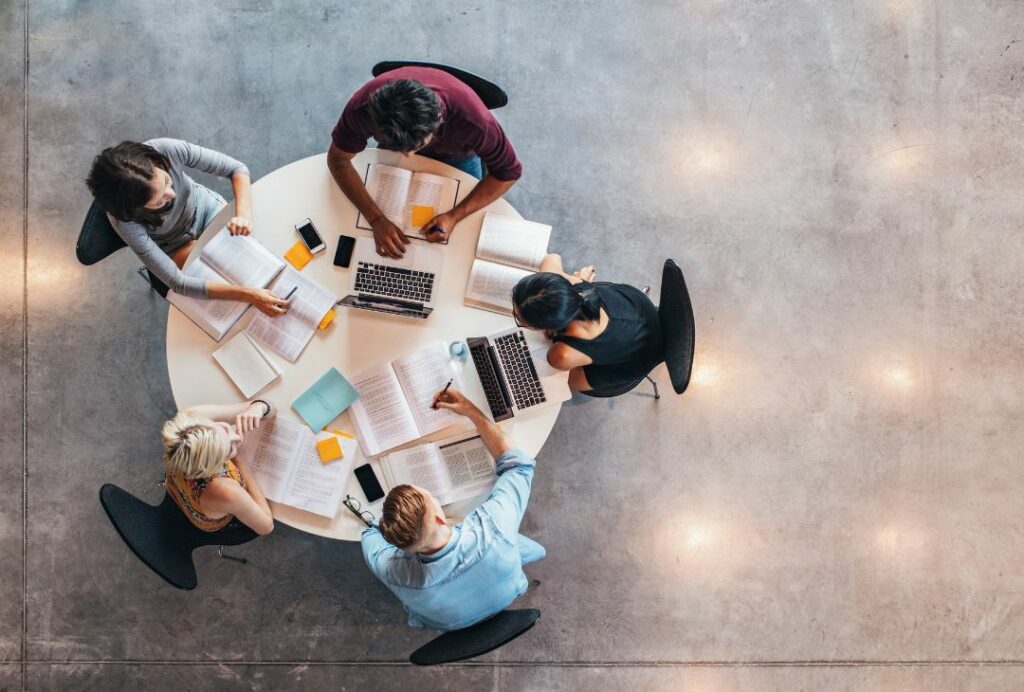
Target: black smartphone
(310,236)
(369,483)
(343,255)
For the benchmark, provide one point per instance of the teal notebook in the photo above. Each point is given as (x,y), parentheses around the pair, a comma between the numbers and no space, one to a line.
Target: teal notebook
(325,400)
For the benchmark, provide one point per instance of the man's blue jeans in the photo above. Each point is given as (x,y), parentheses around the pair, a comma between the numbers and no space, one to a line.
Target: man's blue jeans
(471,164)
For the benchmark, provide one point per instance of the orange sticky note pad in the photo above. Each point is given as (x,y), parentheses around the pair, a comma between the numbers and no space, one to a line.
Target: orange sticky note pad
(329,449)
(298,255)
(343,434)
(328,318)
(420,215)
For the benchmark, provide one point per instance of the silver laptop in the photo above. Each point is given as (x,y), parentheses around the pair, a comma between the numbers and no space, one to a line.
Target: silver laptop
(406,287)
(514,374)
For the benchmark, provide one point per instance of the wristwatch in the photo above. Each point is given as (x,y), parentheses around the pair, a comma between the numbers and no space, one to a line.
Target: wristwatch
(261,401)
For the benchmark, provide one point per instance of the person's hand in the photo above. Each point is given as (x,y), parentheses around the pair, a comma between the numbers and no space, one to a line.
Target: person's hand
(249,419)
(269,304)
(388,238)
(240,225)
(455,401)
(586,273)
(439,228)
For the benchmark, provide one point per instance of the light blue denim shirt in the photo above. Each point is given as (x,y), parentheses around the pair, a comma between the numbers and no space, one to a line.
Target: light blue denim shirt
(480,572)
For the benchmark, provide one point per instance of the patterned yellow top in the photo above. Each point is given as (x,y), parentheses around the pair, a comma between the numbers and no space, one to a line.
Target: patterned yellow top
(187,491)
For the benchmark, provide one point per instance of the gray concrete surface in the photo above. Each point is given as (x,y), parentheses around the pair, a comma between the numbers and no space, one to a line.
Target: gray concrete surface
(840,182)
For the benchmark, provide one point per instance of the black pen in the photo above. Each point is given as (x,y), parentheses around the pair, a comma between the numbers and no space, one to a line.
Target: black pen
(291,292)
(443,392)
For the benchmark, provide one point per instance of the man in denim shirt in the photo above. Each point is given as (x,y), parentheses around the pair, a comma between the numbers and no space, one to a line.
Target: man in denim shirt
(450,577)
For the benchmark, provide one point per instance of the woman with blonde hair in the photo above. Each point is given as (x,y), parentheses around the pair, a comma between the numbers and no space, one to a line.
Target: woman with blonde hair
(205,479)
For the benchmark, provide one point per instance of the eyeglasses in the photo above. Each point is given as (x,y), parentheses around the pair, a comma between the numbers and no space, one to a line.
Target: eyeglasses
(364,515)
(519,322)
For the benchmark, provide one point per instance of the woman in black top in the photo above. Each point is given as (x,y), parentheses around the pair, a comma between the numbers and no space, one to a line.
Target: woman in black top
(606,335)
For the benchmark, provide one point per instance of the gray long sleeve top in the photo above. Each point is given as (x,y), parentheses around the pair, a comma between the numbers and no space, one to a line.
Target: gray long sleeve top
(152,245)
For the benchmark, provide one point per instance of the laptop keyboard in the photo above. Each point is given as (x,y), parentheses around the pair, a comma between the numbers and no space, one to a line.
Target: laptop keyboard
(394,282)
(520,372)
(489,380)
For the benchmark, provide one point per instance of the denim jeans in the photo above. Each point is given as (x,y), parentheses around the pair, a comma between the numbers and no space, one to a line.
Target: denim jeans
(208,205)
(471,165)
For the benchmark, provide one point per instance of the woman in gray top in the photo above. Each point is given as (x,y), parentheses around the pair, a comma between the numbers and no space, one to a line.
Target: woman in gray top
(159,211)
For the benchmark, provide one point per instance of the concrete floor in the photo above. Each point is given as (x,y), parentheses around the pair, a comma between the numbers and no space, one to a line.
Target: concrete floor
(836,504)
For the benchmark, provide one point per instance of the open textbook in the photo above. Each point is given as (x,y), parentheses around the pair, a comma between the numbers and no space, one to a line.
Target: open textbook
(235,259)
(508,250)
(452,469)
(408,199)
(289,333)
(283,457)
(394,399)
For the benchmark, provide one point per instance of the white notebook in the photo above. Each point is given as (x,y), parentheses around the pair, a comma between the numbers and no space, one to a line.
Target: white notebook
(234,259)
(246,364)
(452,470)
(394,399)
(508,250)
(283,457)
(289,333)
(397,190)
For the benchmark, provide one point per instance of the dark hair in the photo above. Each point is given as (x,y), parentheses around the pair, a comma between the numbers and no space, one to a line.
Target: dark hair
(548,301)
(405,113)
(120,181)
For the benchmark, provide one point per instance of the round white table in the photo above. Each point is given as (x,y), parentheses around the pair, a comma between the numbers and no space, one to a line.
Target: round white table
(357,339)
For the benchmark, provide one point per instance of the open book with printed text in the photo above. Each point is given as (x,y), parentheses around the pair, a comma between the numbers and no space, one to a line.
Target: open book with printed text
(508,249)
(289,333)
(283,457)
(451,470)
(395,397)
(408,199)
(234,259)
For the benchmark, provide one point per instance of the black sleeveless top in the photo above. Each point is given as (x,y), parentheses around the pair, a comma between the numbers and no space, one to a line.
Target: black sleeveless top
(630,346)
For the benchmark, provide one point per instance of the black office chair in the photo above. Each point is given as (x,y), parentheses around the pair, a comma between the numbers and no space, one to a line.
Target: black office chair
(98,240)
(163,537)
(491,94)
(476,640)
(675,313)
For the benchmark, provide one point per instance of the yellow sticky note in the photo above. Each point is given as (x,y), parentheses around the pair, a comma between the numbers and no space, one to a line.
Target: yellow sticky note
(329,449)
(328,318)
(343,434)
(420,215)
(298,255)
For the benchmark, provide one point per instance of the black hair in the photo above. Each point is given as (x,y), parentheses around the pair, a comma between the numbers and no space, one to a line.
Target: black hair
(405,113)
(120,181)
(548,301)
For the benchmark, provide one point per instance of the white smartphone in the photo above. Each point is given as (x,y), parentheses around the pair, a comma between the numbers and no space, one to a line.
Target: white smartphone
(310,236)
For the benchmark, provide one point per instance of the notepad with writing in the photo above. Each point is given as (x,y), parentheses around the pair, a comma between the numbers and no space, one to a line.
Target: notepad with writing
(325,400)
(246,364)
(451,470)
(408,199)
(395,398)
(288,334)
(282,456)
(233,259)
(508,249)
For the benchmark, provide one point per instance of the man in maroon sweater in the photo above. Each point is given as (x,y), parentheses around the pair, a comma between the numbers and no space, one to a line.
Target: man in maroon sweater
(422,110)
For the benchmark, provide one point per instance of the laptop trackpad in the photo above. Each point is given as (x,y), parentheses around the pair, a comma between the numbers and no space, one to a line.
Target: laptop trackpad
(540,361)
